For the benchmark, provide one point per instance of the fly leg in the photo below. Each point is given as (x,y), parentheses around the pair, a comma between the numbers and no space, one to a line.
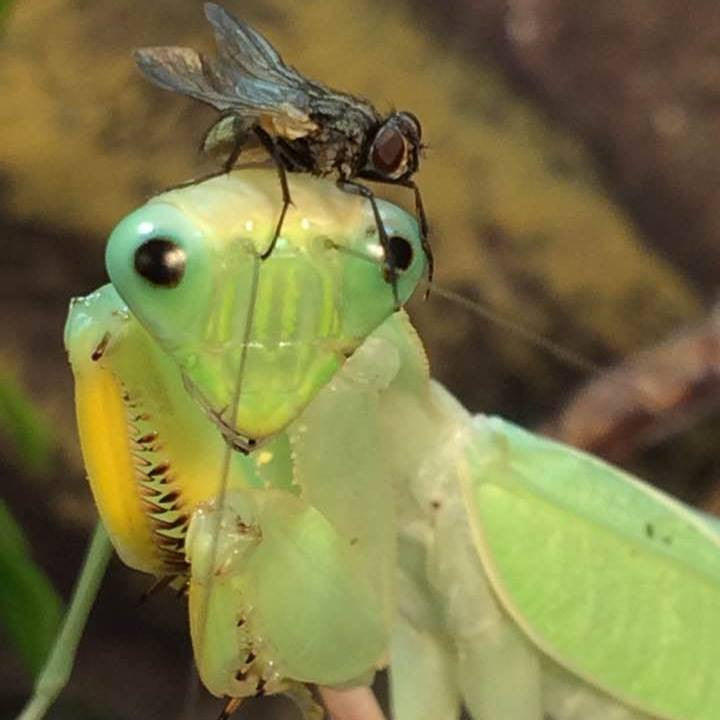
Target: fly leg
(269,144)
(237,145)
(198,180)
(355,188)
(227,166)
(232,158)
(213,139)
(422,221)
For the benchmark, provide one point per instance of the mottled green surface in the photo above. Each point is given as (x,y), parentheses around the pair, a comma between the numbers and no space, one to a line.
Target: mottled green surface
(614,581)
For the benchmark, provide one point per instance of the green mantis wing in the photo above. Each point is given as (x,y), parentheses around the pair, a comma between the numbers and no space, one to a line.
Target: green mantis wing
(615,581)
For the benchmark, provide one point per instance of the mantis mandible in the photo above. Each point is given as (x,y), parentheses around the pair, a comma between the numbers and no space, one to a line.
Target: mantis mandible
(265,433)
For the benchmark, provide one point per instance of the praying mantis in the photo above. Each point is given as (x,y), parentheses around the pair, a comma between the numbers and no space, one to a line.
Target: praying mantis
(265,434)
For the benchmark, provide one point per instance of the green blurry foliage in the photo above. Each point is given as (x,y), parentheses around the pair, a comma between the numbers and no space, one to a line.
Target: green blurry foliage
(4,9)
(24,431)
(30,610)
(29,607)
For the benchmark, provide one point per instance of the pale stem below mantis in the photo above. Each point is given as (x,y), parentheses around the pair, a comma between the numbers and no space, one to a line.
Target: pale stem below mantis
(351,704)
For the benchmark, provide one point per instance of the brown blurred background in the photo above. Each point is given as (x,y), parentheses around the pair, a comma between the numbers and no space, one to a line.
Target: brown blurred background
(571,183)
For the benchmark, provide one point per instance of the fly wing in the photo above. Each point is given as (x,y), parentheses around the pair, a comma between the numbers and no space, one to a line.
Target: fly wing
(249,79)
(187,72)
(244,52)
(180,70)
(247,52)
(611,578)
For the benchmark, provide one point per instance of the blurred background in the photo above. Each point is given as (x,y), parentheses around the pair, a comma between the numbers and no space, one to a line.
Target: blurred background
(571,182)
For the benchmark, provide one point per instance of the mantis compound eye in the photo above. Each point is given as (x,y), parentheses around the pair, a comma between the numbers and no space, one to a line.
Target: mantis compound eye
(402,252)
(161,262)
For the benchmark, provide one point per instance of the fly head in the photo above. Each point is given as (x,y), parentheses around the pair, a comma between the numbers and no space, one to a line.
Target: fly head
(395,150)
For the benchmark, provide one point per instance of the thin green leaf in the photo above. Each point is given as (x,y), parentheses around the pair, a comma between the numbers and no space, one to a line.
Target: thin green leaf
(23,426)
(30,610)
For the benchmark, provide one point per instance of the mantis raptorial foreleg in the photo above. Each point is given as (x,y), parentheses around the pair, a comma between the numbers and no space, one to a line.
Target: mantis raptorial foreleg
(56,673)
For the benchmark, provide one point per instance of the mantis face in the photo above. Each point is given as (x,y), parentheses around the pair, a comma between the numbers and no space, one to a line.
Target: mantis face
(256,338)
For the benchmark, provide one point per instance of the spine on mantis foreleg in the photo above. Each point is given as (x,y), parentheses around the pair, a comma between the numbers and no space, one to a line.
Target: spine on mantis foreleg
(150,454)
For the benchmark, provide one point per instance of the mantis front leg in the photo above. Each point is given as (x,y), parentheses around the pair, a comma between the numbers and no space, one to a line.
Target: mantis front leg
(302,577)
(288,598)
(56,673)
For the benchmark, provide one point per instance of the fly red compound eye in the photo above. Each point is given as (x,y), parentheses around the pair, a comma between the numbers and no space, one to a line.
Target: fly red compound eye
(389,151)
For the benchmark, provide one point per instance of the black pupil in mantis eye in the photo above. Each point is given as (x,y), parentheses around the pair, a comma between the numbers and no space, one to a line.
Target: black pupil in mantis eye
(161,262)
(401,251)
(388,150)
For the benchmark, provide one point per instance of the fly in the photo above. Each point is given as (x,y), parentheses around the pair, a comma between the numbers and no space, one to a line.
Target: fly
(303,125)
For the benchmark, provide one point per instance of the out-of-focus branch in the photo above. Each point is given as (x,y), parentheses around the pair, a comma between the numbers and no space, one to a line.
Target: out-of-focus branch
(651,396)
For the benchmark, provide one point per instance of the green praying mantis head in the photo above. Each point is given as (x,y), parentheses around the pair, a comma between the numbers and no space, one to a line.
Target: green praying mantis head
(256,338)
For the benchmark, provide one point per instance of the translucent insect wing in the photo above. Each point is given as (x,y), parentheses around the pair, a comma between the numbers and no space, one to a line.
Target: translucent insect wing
(185,71)
(250,79)
(243,51)
(612,579)
(243,48)
(179,69)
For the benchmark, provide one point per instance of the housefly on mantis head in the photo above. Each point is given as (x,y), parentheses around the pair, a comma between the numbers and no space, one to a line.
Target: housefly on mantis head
(303,125)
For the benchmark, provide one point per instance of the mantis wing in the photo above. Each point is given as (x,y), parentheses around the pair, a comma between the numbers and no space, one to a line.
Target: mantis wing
(612,579)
